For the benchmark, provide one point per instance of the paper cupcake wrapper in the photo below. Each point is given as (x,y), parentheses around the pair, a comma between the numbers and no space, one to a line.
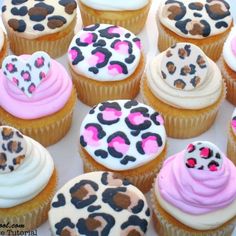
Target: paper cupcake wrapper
(134,21)
(143,179)
(92,92)
(213,48)
(230,82)
(166,228)
(3,52)
(178,125)
(231,146)
(54,47)
(30,219)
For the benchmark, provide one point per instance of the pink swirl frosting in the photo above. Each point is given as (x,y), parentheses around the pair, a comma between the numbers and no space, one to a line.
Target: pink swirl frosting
(196,191)
(51,95)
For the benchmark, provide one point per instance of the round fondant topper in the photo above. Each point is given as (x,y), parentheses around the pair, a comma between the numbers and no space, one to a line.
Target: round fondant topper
(27,75)
(184,66)
(233,45)
(203,155)
(12,149)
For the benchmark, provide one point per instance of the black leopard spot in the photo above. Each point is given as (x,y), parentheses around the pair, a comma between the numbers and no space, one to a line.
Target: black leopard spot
(106,56)
(130,103)
(18,2)
(147,212)
(218,156)
(197,14)
(89,225)
(221,24)
(85,42)
(61,201)
(100,43)
(101,153)
(17,25)
(65,222)
(91,28)
(109,32)
(196,6)
(135,221)
(70,5)
(80,197)
(130,59)
(127,159)
(19,12)
(4,8)
(154,118)
(38,27)
(76,55)
(94,208)
(127,35)
(119,66)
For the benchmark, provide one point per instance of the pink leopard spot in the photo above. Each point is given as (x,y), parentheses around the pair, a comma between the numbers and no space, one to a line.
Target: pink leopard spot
(149,145)
(10,67)
(138,44)
(32,88)
(160,120)
(91,136)
(119,145)
(86,38)
(190,147)
(15,80)
(233,123)
(115,69)
(115,30)
(213,168)
(204,153)
(40,61)
(111,114)
(25,76)
(73,53)
(233,45)
(136,118)
(122,47)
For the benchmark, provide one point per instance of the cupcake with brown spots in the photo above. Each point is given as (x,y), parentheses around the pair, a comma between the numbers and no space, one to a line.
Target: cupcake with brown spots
(186,87)
(99,203)
(205,23)
(39,25)
(28,181)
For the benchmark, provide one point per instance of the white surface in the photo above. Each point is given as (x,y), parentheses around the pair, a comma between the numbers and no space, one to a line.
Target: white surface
(65,152)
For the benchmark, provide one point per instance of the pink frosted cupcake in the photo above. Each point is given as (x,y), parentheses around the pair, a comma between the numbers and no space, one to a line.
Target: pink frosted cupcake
(231,145)
(195,193)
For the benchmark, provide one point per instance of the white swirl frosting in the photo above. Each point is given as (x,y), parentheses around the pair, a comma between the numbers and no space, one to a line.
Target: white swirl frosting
(29,179)
(120,5)
(202,96)
(228,53)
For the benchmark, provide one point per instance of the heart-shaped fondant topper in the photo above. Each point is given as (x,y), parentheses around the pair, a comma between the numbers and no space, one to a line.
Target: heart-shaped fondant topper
(184,66)
(12,149)
(203,155)
(27,74)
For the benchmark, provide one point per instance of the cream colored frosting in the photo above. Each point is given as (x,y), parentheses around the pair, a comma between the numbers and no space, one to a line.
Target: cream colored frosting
(228,54)
(45,14)
(1,38)
(200,222)
(118,5)
(212,18)
(29,179)
(201,96)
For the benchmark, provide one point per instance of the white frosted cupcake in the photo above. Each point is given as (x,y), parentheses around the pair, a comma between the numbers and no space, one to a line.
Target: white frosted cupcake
(28,181)
(99,203)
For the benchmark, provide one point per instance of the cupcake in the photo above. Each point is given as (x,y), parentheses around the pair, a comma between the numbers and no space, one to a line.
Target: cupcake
(204,23)
(37,97)
(106,62)
(195,193)
(231,144)
(99,203)
(28,181)
(39,25)
(186,87)
(131,15)
(3,46)
(228,66)
(125,137)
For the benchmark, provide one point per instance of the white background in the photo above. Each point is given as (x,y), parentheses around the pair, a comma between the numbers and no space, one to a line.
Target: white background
(65,152)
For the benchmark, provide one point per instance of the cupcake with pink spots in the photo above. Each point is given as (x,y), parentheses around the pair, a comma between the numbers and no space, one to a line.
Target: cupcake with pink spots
(107,62)
(231,144)
(126,137)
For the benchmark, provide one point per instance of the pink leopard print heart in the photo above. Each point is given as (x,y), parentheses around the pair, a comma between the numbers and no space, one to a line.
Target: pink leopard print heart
(12,149)
(27,75)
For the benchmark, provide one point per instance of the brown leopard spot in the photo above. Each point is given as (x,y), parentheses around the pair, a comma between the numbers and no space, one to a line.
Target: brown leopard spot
(217,9)
(80,194)
(19,159)
(197,29)
(168,53)
(198,5)
(171,68)
(66,232)
(201,61)
(13,147)
(3,158)
(7,131)
(174,11)
(180,84)
(92,224)
(186,70)
(182,53)
(121,200)
(134,232)
(69,9)
(35,11)
(55,23)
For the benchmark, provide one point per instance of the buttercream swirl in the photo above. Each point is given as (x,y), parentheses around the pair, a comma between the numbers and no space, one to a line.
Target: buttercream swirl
(121,5)
(201,199)
(29,179)
(195,18)
(229,50)
(203,95)
(233,122)
(49,97)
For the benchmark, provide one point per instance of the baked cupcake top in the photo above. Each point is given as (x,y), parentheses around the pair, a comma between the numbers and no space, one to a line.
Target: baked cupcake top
(122,134)
(104,52)
(233,122)
(229,49)
(2,38)
(99,203)
(33,86)
(184,77)
(197,186)
(32,19)
(121,5)
(25,167)
(195,18)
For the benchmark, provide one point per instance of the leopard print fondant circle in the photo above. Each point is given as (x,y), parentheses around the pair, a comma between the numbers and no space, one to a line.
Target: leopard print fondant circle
(233,122)
(184,66)
(203,155)
(33,18)
(104,52)
(195,18)
(12,149)
(123,134)
(105,205)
